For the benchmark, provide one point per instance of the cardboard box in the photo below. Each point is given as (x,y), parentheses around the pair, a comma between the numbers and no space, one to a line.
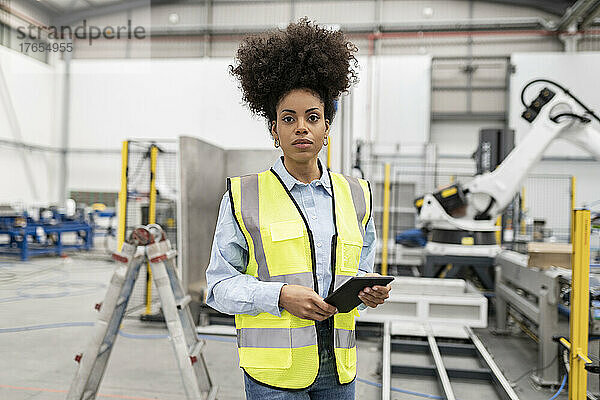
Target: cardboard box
(544,255)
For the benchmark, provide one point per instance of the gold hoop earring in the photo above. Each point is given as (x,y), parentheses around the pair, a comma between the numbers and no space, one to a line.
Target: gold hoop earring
(276,144)
(325,141)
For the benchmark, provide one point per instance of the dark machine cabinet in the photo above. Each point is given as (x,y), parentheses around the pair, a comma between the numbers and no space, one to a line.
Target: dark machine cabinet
(494,146)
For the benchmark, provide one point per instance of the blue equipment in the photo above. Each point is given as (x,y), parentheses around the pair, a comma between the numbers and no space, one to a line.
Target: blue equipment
(412,238)
(27,236)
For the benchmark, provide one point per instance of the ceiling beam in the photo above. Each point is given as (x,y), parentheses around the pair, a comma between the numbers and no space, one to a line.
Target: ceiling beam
(556,7)
(76,16)
(50,10)
(574,14)
(588,20)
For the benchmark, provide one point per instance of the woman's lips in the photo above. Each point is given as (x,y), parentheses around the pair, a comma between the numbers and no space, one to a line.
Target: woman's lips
(302,144)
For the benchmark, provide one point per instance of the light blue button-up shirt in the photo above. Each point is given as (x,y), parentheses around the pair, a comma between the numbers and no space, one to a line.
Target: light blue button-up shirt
(231,291)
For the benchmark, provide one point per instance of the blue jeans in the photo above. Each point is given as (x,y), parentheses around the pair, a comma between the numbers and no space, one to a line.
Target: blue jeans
(325,387)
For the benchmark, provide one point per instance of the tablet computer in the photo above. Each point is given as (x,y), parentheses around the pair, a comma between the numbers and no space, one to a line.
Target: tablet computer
(345,298)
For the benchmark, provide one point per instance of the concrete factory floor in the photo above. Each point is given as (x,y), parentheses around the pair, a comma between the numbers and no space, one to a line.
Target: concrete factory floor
(37,359)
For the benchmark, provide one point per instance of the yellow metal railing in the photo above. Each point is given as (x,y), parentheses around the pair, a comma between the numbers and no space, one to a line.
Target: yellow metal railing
(573,188)
(123,196)
(386,220)
(580,264)
(151,220)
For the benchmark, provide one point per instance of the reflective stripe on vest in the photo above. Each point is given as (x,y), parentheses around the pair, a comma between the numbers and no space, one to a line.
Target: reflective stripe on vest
(282,351)
(277,337)
(358,198)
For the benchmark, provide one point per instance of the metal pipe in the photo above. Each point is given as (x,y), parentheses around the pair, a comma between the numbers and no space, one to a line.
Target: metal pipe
(26,146)
(573,13)
(497,374)
(522,205)
(386,371)
(386,220)
(591,16)
(64,142)
(441,370)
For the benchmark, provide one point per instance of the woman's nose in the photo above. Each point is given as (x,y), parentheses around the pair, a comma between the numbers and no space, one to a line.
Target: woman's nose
(301,127)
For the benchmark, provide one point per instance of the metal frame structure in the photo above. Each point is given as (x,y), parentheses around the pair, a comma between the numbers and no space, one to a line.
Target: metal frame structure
(533,295)
(469,65)
(126,193)
(464,343)
(435,309)
(554,7)
(43,235)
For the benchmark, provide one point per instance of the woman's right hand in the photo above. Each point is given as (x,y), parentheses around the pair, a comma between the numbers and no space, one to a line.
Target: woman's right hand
(305,303)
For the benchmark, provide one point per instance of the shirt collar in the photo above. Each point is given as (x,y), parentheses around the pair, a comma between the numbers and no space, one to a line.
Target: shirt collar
(289,181)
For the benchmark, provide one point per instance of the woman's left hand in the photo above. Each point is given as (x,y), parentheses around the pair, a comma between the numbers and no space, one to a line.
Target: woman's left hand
(375,295)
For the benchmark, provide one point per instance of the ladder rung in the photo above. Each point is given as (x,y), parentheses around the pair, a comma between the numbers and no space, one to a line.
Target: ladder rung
(184,302)
(197,348)
(120,258)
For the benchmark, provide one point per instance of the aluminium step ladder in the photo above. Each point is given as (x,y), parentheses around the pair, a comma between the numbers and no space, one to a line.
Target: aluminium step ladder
(175,305)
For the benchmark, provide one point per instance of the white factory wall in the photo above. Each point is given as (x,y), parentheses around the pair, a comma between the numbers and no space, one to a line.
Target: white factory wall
(118,99)
(30,112)
(400,99)
(459,138)
(114,100)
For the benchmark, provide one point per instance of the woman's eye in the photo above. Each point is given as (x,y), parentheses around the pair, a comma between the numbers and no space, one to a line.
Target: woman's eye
(288,118)
(313,118)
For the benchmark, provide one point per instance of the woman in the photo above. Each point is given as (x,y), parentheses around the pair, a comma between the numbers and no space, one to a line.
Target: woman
(287,237)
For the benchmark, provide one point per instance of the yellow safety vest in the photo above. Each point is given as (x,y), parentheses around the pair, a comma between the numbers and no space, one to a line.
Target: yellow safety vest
(283,351)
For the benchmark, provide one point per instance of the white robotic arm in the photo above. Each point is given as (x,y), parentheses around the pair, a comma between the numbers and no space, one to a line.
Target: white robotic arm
(587,138)
(553,115)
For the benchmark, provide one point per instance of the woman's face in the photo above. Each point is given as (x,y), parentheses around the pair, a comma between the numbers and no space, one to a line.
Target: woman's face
(301,126)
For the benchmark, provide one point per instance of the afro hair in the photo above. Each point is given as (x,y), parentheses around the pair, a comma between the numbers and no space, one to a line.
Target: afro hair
(303,56)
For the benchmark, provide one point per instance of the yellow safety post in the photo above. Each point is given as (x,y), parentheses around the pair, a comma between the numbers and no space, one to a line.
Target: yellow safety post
(386,219)
(580,297)
(523,222)
(573,187)
(499,231)
(151,220)
(152,206)
(123,196)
